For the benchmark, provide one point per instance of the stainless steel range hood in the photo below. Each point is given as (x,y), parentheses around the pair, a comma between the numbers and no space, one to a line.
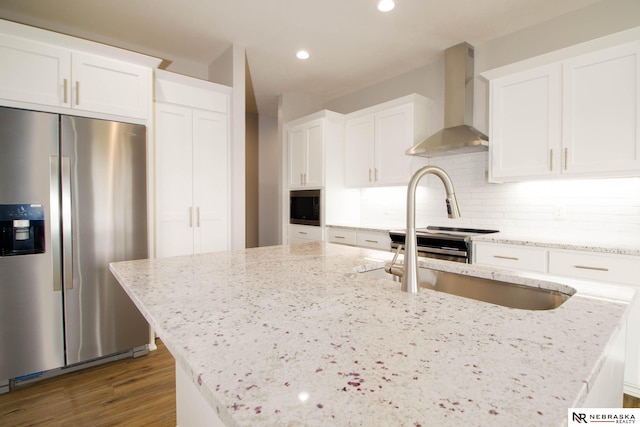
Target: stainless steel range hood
(458,136)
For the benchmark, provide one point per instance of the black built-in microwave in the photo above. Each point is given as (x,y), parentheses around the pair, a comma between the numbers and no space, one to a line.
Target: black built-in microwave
(304,207)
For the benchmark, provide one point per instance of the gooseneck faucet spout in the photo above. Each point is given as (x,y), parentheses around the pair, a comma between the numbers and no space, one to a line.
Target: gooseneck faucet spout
(410,273)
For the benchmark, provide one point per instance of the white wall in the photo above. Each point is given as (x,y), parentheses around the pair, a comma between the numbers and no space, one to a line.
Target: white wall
(270,228)
(229,69)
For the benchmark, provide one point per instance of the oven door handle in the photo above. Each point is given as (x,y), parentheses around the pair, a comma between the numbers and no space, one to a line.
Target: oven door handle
(429,249)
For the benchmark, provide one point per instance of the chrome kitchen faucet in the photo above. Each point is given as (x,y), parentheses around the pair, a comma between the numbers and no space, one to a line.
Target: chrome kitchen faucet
(409,272)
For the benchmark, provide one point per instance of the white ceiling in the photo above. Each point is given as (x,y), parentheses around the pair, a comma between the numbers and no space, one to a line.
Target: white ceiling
(352,45)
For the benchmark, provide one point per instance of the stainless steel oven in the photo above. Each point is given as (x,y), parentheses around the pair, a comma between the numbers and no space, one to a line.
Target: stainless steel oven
(452,244)
(305,207)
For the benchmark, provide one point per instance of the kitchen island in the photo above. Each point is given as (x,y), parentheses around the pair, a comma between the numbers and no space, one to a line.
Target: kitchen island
(296,335)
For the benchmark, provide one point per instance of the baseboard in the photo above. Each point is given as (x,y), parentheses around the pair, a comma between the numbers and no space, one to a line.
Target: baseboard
(632,390)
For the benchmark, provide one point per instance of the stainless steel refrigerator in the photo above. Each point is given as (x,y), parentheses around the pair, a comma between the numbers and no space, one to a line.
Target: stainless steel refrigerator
(73,197)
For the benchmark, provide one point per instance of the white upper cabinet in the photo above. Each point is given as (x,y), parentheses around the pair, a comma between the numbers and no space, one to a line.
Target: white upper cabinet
(309,140)
(525,124)
(601,125)
(376,139)
(36,70)
(360,151)
(109,86)
(306,159)
(575,118)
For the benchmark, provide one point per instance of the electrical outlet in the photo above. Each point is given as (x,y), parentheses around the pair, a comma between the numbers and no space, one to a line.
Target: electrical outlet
(559,212)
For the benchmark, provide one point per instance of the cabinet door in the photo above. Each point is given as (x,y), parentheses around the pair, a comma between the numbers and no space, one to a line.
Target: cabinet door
(374,240)
(315,154)
(510,256)
(525,124)
(174,182)
(210,185)
(38,73)
(108,86)
(297,157)
(359,151)
(601,110)
(393,136)
(304,233)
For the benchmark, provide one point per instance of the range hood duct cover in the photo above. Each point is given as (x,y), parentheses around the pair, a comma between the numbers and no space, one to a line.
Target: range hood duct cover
(458,136)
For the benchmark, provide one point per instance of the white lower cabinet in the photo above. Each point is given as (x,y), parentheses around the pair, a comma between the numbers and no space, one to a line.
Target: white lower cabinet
(362,238)
(598,268)
(341,236)
(511,256)
(374,240)
(304,233)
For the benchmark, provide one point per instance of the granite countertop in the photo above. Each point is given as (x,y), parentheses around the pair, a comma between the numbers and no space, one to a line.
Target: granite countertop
(294,335)
(612,244)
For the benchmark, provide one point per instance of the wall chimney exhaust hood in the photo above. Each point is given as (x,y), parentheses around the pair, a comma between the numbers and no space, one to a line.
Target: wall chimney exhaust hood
(458,136)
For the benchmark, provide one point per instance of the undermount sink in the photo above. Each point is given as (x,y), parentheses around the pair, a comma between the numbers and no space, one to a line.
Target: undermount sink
(492,291)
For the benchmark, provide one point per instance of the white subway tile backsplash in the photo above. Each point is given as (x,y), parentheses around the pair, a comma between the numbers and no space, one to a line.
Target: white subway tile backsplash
(570,206)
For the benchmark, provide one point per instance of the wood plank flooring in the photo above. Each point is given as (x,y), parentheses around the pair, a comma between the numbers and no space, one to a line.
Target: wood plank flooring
(131,392)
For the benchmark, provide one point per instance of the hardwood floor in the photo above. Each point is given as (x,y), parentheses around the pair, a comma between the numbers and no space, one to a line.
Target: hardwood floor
(631,402)
(131,392)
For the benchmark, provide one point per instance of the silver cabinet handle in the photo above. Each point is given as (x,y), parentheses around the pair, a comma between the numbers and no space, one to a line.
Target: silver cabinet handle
(551,159)
(198,216)
(371,241)
(77,93)
(55,244)
(304,181)
(339,237)
(506,257)
(67,237)
(302,232)
(586,267)
(566,157)
(375,175)
(65,95)
(190,216)
(301,179)
(369,174)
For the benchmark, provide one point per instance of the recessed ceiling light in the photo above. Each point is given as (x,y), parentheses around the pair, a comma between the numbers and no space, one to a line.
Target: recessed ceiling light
(302,54)
(386,5)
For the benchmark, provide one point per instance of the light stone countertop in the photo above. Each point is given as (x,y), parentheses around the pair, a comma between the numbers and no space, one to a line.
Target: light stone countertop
(612,244)
(259,329)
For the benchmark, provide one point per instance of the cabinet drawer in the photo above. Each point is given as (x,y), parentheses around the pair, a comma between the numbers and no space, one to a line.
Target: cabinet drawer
(305,233)
(374,240)
(342,236)
(511,256)
(601,267)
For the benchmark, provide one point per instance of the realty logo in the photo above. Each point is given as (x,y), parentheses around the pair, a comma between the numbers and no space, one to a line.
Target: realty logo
(579,418)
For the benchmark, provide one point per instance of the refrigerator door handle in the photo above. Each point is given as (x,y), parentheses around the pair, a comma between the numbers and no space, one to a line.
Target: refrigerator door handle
(67,242)
(54,226)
